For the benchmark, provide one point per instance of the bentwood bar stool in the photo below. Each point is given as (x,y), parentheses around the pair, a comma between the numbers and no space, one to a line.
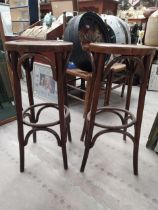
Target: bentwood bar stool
(22,53)
(132,55)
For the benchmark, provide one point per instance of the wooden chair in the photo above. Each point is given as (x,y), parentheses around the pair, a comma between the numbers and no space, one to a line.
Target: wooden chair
(117,76)
(86,80)
(83,88)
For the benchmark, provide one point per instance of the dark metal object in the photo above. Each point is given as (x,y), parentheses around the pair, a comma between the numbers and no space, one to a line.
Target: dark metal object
(133,55)
(84,29)
(23,53)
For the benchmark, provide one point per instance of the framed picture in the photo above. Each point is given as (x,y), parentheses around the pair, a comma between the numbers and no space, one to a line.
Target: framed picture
(44,85)
(7,106)
(153,80)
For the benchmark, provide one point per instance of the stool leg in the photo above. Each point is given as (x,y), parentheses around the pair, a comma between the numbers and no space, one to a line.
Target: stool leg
(31,100)
(66,103)
(85,157)
(64,156)
(82,87)
(63,128)
(18,102)
(69,133)
(94,97)
(88,136)
(108,89)
(135,158)
(20,136)
(87,100)
(89,125)
(62,100)
(22,158)
(140,108)
(123,89)
(128,98)
(87,104)
(83,131)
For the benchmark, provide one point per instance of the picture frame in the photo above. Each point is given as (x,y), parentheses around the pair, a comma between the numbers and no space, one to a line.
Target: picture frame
(45,87)
(152,142)
(153,80)
(7,105)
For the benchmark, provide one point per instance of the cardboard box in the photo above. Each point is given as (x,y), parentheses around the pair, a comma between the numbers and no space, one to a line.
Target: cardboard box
(58,7)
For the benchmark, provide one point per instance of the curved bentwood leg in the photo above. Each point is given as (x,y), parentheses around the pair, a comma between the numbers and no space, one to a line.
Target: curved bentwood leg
(61,103)
(146,63)
(142,56)
(18,101)
(94,102)
(28,69)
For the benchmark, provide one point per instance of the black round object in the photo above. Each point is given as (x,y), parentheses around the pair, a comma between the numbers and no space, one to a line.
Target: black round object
(119,27)
(83,29)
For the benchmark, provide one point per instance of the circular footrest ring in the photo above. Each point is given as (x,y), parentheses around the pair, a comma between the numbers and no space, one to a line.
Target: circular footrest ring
(127,120)
(27,114)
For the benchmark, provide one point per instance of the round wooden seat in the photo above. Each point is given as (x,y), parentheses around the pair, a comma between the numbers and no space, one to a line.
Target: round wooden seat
(132,54)
(23,53)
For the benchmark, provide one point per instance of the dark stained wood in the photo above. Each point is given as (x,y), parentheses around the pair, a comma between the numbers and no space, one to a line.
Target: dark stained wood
(138,20)
(23,52)
(121,49)
(86,76)
(99,6)
(38,46)
(45,8)
(133,54)
(80,73)
(2,122)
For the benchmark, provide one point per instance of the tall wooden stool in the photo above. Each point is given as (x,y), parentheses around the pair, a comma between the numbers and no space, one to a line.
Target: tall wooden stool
(24,53)
(133,55)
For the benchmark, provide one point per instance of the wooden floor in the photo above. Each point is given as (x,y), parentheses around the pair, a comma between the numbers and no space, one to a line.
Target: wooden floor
(108,182)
